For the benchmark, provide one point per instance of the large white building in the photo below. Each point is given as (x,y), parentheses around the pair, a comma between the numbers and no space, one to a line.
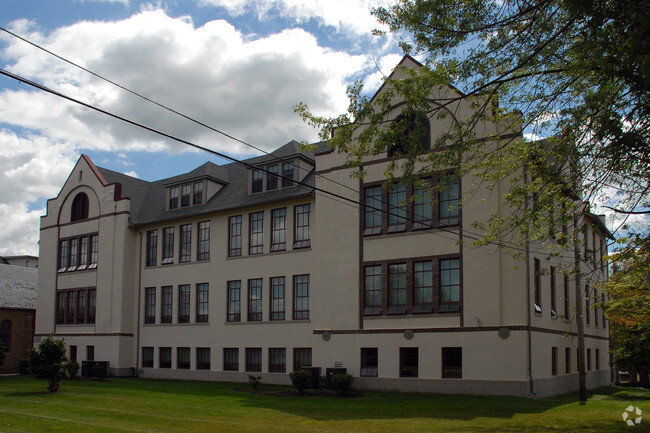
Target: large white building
(229,270)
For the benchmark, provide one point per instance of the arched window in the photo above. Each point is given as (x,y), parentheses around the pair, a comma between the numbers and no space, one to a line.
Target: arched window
(5,335)
(79,207)
(410,125)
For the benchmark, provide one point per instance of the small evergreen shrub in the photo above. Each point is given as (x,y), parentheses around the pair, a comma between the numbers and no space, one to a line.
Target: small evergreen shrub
(300,379)
(342,382)
(255,381)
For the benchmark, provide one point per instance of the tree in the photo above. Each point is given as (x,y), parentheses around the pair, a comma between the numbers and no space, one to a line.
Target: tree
(574,71)
(50,362)
(628,307)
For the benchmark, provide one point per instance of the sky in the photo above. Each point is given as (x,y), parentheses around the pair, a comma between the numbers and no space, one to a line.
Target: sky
(239,66)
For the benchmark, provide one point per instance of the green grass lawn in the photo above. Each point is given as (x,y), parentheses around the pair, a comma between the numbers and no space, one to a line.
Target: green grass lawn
(177,406)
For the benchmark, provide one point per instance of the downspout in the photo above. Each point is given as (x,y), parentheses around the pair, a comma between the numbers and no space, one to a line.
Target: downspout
(531,383)
(137,324)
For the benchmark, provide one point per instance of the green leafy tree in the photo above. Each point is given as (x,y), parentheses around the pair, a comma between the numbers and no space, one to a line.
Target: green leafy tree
(628,307)
(50,362)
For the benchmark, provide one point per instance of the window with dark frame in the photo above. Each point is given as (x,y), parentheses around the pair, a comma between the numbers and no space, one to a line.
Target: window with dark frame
(287,174)
(300,297)
(452,362)
(184,303)
(258,181)
(231,359)
(372,210)
(597,359)
(147,357)
(587,307)
(203,252)
(397,288)
(301,236)
(449,202)
(256,233)
(537,285)
(449,285)
(423,287)
(197,197)
(553,292)
(74,254)
(553,361)
(369,362)
(277,360)
(566,296)
(234,236)
(301,358)
(186,193)
(202,305)
(63,255)
(90,353)
(422,205)
(73,352)
(203,358)
(277,298)
(168,246)
(173,197)
(83,253)
(602,312)
(234,301)
(588,359)
(408,362)
(80,207)
(278,229)
(255,300)
(5,335)
(166,304)
(595,294)
(75,306)
(253,359)
(272,177)
(186,243)
(94,251)
(149,305)
(78,253)
(397,208)
(372,290)
(567,360)
(183,358)
(409,125)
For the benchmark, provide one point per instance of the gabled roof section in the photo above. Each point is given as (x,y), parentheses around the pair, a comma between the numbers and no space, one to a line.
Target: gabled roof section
(18,287)
(598,222)
(289,150)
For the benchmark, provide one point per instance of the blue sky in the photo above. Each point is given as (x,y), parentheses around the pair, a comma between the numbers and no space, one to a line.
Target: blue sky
(238,65)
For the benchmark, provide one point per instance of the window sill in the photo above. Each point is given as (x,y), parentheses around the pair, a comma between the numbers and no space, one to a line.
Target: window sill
(268,322)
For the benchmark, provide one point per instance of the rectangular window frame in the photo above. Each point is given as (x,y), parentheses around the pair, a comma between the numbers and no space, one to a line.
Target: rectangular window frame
(278,285)
(452,362)
(202,303)
(184,295)
(302,226)
(369,362)
(256,233)
(203,247)
(235,236)
(166,304)
(149,305)
(168,246)
(234,301)
(230,359)
(301,297)
(185,254)
(279,229)
(255,287)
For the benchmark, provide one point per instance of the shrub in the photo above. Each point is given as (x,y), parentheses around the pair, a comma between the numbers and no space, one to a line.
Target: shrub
(72,368)
(49,362)
(255,381)
(342,382)
(300,379)
(2,353)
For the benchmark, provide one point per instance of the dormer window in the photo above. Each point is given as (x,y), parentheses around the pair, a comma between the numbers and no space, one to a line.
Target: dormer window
(258,180)
(272,177)
(287,174)
(187,194)
(198,192)
(173,197)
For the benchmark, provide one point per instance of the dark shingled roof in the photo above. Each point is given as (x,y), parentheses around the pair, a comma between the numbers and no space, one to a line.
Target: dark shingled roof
(233,194)
(18,287)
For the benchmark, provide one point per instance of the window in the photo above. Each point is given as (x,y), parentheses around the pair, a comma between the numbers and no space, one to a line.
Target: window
(94,251)
(234,301)
(253,359)
(553,293)
(231,359)
(184,303)
(408,362)
(588,359)
(255,300)
(301,358)
(597,359)
(595,294)
(234,236)
(372,210)
(79,207)
(147,357)
(90,353)
(186,192)
(410,126)
(83,253)
(553,361)
(203,358)
(256,238)
(369,361)
(5,335)
(587,315)
(422,205)
(186,243)
(287,174)
(602,312)
(74,254)
(73,353)
(397,288)
(277,298)
(567,360)
(165,357)
(537,285)
(150,305)
(279,229)
(204,241)
(63,255)
(75,306)
(183,358)
(166,304)
(300,297)
(173,197)
(258,181)
(302,237)
(372,292)
(449,202)
(452,362)
(168,246)
(277,360)
(202,293)
(566,296)
(78,254)
(397,209)
(422,287)
(272,177)
(198,193)
(450,285)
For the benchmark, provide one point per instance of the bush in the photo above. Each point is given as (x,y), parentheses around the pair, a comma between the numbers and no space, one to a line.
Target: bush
(342,382)
(2,353)
(50,362)
(300,379)
(72,368)
(255,381)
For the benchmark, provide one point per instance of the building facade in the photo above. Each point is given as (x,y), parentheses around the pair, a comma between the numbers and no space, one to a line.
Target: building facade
(231,270)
